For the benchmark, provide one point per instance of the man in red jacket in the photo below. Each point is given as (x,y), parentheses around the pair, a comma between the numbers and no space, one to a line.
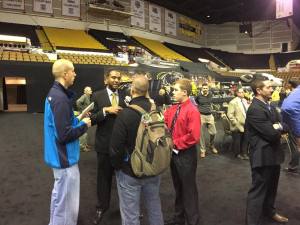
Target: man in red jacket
(183,121)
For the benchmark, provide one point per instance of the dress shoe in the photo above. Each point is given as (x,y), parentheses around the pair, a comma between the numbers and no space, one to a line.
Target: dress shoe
(291,170)
(98,217)
(280,219)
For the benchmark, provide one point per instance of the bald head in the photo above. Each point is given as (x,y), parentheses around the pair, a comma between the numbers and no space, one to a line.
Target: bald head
(139,86)
(88,90)
(60,67)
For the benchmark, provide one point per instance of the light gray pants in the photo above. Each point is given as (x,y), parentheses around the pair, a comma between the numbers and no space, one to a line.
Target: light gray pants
(207,123)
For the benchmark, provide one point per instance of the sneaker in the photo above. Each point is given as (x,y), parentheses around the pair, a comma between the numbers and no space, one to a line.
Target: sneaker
(214,150)
(202,154)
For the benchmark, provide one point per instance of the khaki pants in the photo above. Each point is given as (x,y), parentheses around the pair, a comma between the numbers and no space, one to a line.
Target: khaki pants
(207,122)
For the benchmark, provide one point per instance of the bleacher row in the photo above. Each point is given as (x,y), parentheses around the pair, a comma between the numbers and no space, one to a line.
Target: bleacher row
(90,59)
(23,56)
(52,39)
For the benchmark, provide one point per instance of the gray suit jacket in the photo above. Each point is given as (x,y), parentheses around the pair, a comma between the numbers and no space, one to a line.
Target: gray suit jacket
(83,102)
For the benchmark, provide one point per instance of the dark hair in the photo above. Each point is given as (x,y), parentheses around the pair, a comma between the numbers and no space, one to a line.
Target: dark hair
(107,73)
(205,84)
(257,83)
(293,83)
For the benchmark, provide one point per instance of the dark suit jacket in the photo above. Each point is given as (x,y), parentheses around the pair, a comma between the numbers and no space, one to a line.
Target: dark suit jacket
(264,140)
(104,123)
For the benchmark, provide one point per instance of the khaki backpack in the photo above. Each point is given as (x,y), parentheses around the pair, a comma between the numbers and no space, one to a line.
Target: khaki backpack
(153,145)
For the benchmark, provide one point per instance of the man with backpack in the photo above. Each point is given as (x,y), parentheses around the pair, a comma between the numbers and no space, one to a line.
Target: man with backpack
(183,121)
(123,143)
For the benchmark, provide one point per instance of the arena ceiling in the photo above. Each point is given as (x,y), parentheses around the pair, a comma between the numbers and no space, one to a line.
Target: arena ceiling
(220,11)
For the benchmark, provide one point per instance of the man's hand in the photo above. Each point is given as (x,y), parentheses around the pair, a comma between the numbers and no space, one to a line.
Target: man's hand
(277,126)
(87,121)
(113,109)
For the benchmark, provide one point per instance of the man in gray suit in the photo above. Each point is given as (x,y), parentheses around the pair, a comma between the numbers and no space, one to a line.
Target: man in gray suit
(81,104)
(236,113)
(85,99)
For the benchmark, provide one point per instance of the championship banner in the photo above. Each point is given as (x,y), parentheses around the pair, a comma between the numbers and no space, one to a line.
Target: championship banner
(44,6)
(170,22)
(154,18)
(13,4)
(71,8)
(138,10)
(189,27)
(284,8)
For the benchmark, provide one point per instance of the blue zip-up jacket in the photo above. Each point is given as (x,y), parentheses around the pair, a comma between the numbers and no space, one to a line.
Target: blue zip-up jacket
(61,129)
(290,111)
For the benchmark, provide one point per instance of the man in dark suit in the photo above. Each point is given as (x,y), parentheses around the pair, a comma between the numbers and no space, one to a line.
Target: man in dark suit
(108,103)
(264,130)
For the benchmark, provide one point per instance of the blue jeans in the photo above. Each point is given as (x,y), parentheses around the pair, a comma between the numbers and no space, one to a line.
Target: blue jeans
(130,190)
(65,196)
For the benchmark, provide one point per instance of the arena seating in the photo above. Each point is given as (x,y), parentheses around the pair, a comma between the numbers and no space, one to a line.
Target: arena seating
(161,50)
(62,38)
(242,61)
(197,68)
(27,31)
(90,59)
(44,42)
(23,56)
(194,53)
(112,39)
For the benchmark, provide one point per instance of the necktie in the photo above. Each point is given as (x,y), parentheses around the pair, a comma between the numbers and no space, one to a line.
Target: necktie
(114,101)
(175,118)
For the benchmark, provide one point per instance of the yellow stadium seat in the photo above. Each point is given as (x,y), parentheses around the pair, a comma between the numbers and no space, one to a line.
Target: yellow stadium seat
(72,38)
(161,50)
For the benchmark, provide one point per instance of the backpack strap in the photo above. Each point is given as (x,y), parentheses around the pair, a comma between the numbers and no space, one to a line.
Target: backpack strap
(153,107)
(138,109)
(141,110)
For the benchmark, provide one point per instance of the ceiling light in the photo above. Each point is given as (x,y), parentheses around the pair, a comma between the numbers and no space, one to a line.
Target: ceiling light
(208,16)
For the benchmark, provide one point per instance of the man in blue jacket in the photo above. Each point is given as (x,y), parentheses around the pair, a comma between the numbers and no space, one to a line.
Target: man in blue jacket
(61,145)
(291,114)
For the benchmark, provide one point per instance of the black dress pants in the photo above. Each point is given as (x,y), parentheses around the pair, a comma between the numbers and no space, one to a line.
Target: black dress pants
(262,194)
(183,170)
(104,179)
(239,143)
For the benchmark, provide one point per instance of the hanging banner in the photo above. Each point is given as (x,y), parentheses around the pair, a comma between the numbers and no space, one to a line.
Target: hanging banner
(170,22)
(44,6)
(71,8)
(189,27)
(13,4)
(154,18)
(284,8)
(138,10)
